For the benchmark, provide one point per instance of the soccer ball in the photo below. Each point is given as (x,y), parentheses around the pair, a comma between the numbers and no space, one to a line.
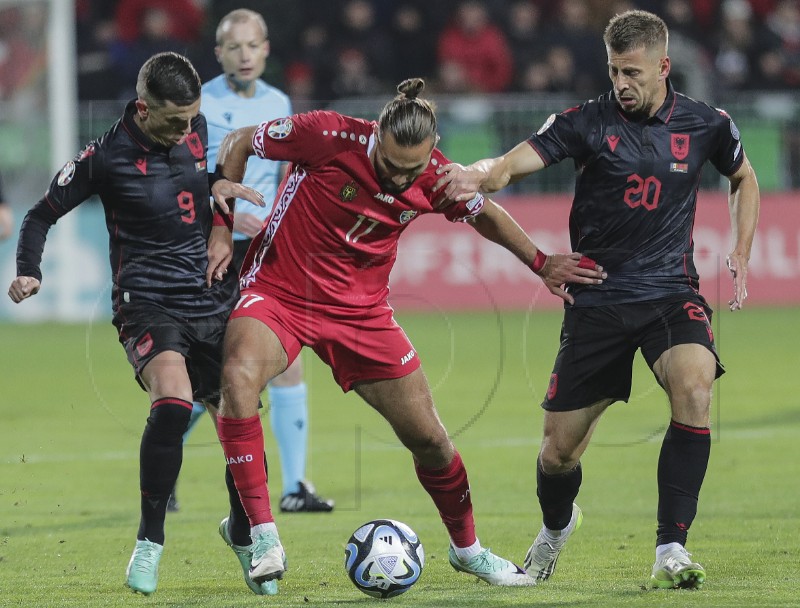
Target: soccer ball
(384,558)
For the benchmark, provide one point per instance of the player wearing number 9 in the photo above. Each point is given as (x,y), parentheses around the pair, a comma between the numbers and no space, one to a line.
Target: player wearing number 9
(171,295)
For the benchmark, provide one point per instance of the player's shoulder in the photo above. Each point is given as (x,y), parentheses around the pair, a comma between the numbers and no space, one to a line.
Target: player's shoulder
(117,139)
(334,127)
(590,107)
(706,112)
(428,177)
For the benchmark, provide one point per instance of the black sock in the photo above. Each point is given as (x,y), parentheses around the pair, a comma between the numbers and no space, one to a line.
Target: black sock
(556,494)
(681,469)
(160,457)
(238,524)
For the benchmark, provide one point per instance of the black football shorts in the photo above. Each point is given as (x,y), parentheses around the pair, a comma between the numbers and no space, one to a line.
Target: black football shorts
(595,358)
(146,330)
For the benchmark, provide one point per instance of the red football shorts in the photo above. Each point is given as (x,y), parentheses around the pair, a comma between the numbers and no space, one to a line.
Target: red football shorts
(357,344)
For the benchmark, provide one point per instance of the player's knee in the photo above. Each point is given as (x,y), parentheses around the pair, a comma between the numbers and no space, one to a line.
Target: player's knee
(694,393)
(168,422)
(555,460)
(431,449)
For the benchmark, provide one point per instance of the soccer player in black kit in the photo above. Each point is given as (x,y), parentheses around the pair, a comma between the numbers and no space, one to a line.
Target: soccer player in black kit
(171,292)
(638,151)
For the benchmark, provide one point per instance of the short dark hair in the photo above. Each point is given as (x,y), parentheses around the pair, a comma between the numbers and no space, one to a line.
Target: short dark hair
(410,119)
(634,29)
(168,77)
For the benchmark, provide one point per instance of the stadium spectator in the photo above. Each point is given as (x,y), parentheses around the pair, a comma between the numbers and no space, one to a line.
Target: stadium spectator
(171,293)
(155,35)
(411,31)
(526,39)
(353,76)
(22,52)
(6,216)
(736,47)
(641,148)
(300,85)
(476,50)
(783,23)
(95,37)
(691,63)
(321,280)
(234,99)
(183,19)
(316,54)
(572,31)
(360,31)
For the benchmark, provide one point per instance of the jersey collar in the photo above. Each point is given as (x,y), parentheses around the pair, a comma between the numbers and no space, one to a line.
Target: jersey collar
(665,111)
(137,135)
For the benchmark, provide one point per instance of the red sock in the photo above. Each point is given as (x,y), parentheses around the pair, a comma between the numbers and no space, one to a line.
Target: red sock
(243,444)
(449,488)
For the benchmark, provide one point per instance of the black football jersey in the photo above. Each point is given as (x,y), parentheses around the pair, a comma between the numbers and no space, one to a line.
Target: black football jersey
(636,190)
(158,214)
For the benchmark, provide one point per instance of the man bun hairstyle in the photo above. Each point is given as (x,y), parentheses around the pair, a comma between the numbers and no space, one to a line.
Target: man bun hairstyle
(168,77)
(410,119)
(635,29)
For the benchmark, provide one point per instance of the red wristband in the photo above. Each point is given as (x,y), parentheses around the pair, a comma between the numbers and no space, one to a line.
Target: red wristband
(538,262)
(222,219)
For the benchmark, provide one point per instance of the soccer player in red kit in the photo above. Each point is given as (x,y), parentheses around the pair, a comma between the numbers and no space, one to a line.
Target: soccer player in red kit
(318,274)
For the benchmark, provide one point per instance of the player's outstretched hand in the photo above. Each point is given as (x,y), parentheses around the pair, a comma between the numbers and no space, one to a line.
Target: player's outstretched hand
(737,264)
(562,268)
(247,223)
(220,253)
(457,183)
(224,189)
(22,288)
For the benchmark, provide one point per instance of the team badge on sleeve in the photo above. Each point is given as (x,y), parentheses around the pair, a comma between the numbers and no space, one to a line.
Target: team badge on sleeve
(547,124)
(734,131)
(280,129)
(66,175)
(407,216)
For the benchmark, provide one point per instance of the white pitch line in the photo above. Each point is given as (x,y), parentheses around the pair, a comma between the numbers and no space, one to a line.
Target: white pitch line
(371,445)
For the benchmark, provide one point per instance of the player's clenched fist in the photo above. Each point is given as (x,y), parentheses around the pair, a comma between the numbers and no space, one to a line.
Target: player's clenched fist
(23,287)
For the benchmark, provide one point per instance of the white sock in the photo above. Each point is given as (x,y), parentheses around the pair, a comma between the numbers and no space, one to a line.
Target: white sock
(467,553)
(662,549)
(262,528)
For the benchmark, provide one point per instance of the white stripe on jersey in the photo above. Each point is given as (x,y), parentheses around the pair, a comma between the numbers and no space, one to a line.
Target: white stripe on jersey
(286,198)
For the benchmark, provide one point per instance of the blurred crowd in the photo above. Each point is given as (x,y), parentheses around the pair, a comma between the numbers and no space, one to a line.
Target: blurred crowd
(329,49)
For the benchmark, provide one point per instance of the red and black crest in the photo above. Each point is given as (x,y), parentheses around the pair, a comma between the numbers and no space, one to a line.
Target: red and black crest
(552,388)
(679,145)
(145,345)
(195,145)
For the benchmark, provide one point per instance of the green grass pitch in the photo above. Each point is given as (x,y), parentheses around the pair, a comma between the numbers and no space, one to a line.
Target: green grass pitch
(72,418)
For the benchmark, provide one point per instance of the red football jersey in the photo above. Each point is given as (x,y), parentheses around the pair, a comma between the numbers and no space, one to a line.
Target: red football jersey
(332,236)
